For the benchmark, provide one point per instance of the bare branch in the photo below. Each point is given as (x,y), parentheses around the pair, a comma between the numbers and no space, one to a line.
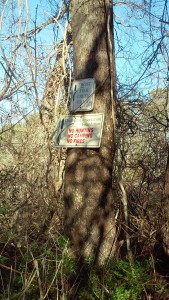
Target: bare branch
(164,21)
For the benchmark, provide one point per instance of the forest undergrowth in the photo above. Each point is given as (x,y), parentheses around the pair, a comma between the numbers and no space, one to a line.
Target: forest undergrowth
(36,259)
(44,268)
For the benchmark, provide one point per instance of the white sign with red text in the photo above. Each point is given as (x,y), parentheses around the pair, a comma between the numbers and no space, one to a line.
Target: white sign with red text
(83,95)
(83,131)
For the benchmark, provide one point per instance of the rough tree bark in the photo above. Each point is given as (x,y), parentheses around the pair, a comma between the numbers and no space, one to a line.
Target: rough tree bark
(88,196)
(165,211)
(164,221)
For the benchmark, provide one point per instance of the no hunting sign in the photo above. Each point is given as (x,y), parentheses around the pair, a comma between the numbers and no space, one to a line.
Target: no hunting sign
(84,131)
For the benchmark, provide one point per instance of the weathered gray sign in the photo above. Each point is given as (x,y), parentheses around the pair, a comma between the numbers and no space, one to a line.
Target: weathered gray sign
(83,95)
(84,131)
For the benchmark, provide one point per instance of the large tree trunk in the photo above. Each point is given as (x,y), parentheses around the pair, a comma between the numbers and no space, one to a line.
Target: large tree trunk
(88,197)
(165,211)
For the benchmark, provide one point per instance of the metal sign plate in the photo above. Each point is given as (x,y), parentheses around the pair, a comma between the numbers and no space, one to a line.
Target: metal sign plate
(82,131)
(83,95)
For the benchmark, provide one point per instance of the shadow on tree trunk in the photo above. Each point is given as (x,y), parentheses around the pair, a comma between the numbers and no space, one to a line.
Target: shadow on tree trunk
(88,196)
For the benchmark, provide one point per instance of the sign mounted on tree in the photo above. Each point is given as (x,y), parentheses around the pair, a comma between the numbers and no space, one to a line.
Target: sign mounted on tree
(83,94)
(82,131)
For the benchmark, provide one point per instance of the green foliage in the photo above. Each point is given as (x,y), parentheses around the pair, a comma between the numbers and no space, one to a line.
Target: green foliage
(48,268)
(3,259)
(4,210)
(62,242)
(69,265)
(120,281)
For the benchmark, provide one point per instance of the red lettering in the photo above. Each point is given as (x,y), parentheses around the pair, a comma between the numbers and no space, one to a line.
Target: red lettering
(85,135)
(89,135)
(79,130)
(78,141)
(71,130)
(69,141)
